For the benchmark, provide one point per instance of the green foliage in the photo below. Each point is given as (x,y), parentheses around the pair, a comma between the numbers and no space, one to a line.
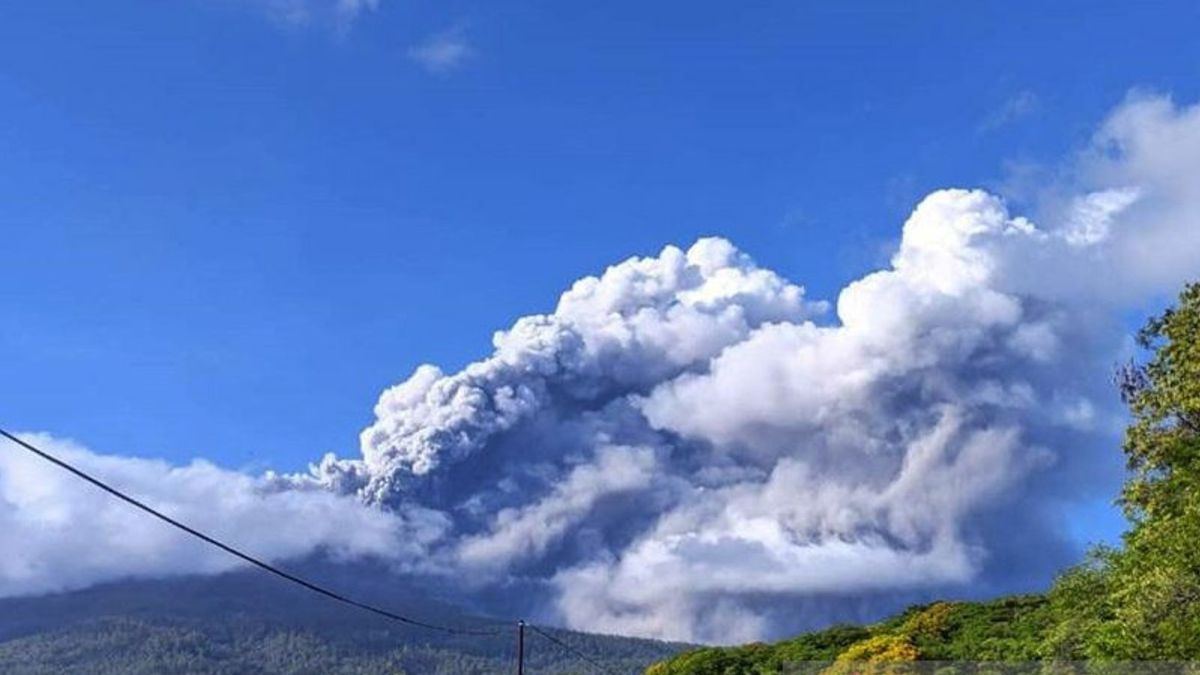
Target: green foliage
(140,647)
(1007,629)
(1143,601)
(1163,443)
(822,646)
(761,659)
(1080,606)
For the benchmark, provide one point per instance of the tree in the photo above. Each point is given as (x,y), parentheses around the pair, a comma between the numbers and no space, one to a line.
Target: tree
(1164,396)
(1143,601)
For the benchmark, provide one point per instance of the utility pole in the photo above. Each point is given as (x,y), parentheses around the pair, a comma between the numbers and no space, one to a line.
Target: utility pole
(521,647)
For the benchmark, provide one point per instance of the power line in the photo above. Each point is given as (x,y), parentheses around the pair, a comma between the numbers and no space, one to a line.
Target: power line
(595,664)
(315,588)
(320,590)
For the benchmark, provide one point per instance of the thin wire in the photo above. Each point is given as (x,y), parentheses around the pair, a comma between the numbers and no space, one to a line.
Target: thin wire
(595,664)
(333,595)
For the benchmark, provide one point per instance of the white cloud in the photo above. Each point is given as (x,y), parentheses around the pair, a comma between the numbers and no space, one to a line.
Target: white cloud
(1150,147)
(442,52)
(59,533)
(1127,205)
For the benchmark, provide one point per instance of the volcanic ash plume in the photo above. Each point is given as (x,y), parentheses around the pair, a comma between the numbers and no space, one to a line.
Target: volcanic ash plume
(688,447)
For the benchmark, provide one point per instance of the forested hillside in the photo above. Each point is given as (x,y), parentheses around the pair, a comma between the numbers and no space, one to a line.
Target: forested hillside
(1139,601)
(218,647)
(245,622)
(1005,629)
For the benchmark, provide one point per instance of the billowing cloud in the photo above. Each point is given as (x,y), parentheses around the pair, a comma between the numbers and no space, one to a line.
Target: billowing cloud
(687,433)
(643,322)
(689,447)
(58,533)
(1149,147)
(527,532)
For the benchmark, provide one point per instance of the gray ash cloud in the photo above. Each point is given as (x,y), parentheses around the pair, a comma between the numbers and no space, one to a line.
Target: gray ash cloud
(689,447)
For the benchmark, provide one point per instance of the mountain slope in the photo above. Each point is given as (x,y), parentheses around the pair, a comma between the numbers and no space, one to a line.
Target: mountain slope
(244,622)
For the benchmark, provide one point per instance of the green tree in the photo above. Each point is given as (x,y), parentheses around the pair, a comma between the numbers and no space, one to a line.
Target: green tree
(1164,396)
(1143,602)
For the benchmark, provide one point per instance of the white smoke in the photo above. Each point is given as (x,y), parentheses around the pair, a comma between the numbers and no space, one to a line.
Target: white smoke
(687,447)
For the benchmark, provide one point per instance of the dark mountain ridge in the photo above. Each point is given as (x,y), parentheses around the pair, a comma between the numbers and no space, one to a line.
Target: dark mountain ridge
(249,622)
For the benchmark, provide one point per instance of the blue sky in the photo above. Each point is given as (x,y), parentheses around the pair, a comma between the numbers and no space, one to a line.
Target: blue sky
(224,231)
